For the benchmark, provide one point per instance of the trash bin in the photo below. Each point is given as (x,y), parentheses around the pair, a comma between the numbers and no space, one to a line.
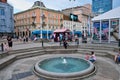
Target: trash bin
(2,47)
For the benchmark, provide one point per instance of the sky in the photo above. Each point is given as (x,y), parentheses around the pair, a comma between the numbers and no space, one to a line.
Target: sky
(21,5)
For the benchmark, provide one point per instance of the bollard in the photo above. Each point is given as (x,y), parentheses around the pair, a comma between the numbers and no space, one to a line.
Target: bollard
(119,43)
(60,43)
(42,43)
(2,47)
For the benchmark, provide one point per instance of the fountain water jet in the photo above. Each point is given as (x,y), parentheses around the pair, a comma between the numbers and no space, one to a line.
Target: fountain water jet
(64,61)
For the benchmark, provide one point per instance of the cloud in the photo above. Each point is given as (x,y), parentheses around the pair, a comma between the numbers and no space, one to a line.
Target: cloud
(21,4)
(62,4)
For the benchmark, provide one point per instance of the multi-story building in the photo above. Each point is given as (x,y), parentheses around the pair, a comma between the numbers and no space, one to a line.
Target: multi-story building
(83,13)
(35,18)
(6,18)
(101,6)
(77,26)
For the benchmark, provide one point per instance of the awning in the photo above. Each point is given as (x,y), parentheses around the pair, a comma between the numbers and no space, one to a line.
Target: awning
(112,14)
(77,32)
(43,32)
(61,30)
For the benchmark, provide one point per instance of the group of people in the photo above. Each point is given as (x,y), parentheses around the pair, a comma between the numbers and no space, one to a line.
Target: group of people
(24,38)
(6,46)
(92,57)
(57,37)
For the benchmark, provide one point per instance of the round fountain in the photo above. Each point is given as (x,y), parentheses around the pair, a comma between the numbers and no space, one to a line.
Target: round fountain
(68,68)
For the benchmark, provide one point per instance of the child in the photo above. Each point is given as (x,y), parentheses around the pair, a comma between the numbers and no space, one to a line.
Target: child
(5,47)
(87,56)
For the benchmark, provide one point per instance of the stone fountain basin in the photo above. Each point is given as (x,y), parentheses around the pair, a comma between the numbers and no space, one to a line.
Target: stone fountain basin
(54,75)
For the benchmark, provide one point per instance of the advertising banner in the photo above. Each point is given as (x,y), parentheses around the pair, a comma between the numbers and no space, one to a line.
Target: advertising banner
(105,30)
(96,30)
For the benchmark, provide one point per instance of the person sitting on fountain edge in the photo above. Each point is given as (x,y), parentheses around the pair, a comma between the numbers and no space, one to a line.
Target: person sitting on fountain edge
(87,56)
(117,57)
(92,57)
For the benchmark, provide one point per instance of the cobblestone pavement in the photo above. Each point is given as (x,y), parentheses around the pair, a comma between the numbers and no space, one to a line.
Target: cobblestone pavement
(22,69)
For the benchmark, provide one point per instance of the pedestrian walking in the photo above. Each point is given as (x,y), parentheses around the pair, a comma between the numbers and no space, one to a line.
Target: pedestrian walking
(10,43)
(27,38)
(24,39)
(65,44)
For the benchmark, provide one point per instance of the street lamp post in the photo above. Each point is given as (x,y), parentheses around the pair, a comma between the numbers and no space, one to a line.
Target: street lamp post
(47,28)
(41,22)
(72,17)
(41,28)
(47,32)
(42,16)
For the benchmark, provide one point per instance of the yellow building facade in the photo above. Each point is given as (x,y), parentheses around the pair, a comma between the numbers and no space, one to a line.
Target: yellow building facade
(35,18)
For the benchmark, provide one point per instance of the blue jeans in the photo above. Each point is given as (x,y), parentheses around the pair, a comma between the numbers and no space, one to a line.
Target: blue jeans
(92,60)
(118,59)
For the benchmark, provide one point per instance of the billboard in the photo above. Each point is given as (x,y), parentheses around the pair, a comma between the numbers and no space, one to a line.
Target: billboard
(73,17)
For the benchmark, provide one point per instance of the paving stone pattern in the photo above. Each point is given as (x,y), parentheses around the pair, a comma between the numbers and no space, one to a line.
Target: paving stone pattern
(21,75)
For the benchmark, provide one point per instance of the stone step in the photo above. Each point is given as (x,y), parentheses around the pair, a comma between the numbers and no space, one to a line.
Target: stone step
(11,58)
(30,54)
(38,48)
(3,54)
(98,51)
(6,61)
(60,47)
(24,50)
(98,47)
(108,54)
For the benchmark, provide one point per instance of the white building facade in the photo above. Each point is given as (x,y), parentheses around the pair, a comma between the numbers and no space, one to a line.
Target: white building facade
(72,25)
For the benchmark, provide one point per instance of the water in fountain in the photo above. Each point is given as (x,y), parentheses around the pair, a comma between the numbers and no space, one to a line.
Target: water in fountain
(64,64)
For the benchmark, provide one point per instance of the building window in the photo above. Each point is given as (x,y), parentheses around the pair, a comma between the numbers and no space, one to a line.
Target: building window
(2,21)
(2,11)
(11,13)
